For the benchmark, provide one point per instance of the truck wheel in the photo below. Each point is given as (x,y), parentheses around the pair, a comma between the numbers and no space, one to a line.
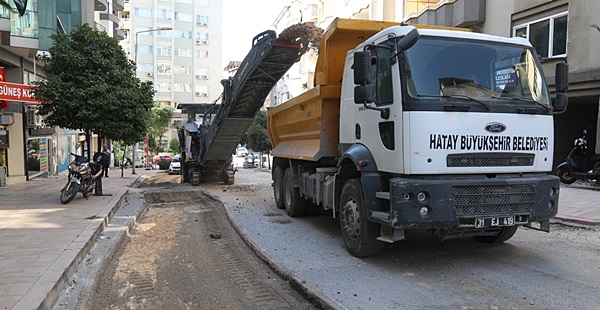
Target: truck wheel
(294,204)
(504,234)
(278,187)
(360,235)
(228,177)
(565,175)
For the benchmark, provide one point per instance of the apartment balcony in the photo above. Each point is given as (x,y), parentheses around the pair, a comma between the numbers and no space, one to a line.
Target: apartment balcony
(118,5)
(119,34)
(450,13)
(110,17)
(100,5)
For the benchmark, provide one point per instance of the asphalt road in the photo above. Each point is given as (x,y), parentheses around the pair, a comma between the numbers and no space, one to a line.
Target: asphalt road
(533,270)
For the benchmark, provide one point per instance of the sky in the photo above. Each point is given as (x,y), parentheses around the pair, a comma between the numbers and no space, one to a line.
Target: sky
(242,21)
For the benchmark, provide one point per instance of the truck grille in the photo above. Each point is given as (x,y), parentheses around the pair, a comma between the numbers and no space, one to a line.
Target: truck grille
(489,160)
(493,199)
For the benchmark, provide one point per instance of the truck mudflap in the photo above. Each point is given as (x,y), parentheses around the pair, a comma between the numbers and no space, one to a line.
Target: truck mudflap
(469,203)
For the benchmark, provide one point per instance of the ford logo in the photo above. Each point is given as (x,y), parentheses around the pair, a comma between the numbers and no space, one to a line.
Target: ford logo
(495,127)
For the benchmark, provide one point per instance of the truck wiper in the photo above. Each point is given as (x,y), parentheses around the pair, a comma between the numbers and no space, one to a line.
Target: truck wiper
(464,97)
(547,108)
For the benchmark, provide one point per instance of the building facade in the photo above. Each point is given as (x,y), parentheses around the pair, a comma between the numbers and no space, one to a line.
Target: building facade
(26,148)
(177,45)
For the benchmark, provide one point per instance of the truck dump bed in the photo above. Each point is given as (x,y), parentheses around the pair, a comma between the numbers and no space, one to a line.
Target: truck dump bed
(307,127)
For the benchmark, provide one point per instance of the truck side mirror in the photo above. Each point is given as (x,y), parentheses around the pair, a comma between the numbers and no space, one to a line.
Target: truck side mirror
(364,94)
(561,77)
(560,102)
(362,68)
(409,40)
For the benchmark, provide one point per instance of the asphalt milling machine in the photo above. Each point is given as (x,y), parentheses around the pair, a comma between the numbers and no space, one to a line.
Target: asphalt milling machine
(213,131)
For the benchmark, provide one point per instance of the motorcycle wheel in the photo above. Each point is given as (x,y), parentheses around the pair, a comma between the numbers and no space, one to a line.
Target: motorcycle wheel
(69,192)
(565,175)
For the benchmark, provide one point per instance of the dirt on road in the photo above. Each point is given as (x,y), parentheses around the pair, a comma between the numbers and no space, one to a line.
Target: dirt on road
(183,254)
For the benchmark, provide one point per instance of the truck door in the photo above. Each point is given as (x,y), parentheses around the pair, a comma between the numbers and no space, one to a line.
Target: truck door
(379,134)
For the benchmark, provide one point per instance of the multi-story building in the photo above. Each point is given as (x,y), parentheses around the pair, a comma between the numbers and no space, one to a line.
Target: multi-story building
(176,44)
(26,148)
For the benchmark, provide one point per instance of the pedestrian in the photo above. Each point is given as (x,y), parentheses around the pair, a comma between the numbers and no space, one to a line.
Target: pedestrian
(106,150)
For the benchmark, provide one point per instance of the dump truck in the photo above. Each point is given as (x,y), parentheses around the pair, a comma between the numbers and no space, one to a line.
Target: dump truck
(419,128)
(212,131)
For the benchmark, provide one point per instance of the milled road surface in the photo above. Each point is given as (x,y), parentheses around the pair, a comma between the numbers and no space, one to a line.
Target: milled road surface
(183,254)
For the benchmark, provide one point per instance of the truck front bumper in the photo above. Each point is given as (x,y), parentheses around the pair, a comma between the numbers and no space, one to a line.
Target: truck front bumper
(451,203)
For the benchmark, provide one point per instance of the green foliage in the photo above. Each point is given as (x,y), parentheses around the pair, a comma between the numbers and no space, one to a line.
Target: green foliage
(257,134)
(91,85)
(160,119)
(174,146)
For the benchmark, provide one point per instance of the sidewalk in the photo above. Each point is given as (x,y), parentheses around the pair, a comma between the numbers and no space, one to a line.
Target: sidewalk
(42,241)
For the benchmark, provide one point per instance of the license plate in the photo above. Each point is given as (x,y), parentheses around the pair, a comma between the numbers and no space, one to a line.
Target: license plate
(494,221)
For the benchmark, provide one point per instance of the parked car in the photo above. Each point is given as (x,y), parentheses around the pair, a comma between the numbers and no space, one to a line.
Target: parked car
(175,165)
(158,158)
(251,161)
(241,151)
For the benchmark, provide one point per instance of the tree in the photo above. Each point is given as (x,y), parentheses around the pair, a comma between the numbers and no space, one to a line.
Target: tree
(174,146)
(160,119)
(91,85)
(257,134)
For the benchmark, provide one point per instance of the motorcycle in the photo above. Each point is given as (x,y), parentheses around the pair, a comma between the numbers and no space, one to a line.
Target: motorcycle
(84,177)
(573,168)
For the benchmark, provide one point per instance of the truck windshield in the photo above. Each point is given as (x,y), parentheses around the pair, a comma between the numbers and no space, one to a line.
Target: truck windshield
(442,69)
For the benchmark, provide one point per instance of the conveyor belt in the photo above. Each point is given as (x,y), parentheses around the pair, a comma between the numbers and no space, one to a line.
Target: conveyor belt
(244,93)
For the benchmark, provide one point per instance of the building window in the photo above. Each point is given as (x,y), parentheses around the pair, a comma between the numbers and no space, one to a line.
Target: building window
(145,49)
(184,17)
(202,54)
(181,87)
(145,67)
(163,69)
(548,35)
(163,87)
(202,37)
(186,70)
(164,14)
(162,50)
(183,52)
(142,12)
(202,20)
(182,34)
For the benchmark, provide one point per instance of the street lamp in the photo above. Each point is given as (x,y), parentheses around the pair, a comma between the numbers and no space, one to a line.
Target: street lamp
(136,70)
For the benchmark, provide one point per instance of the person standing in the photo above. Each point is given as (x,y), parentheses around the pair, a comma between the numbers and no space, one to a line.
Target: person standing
(106,150)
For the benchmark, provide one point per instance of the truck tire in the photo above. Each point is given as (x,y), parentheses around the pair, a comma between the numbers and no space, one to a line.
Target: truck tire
(359,234)
(565,175)
(194,177)
(278,187)
(504,234)
(295,205)
(228,177)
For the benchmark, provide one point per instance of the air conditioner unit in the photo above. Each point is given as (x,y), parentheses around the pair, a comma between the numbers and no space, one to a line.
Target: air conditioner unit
(198,76)
(204,42)
(149,74)
(204,94)
(198,23)
(197,93)
(33,119)
(198,41)
(204,77)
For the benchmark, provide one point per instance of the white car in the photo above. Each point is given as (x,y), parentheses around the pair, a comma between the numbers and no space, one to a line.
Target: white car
(241,151)
(175,165)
